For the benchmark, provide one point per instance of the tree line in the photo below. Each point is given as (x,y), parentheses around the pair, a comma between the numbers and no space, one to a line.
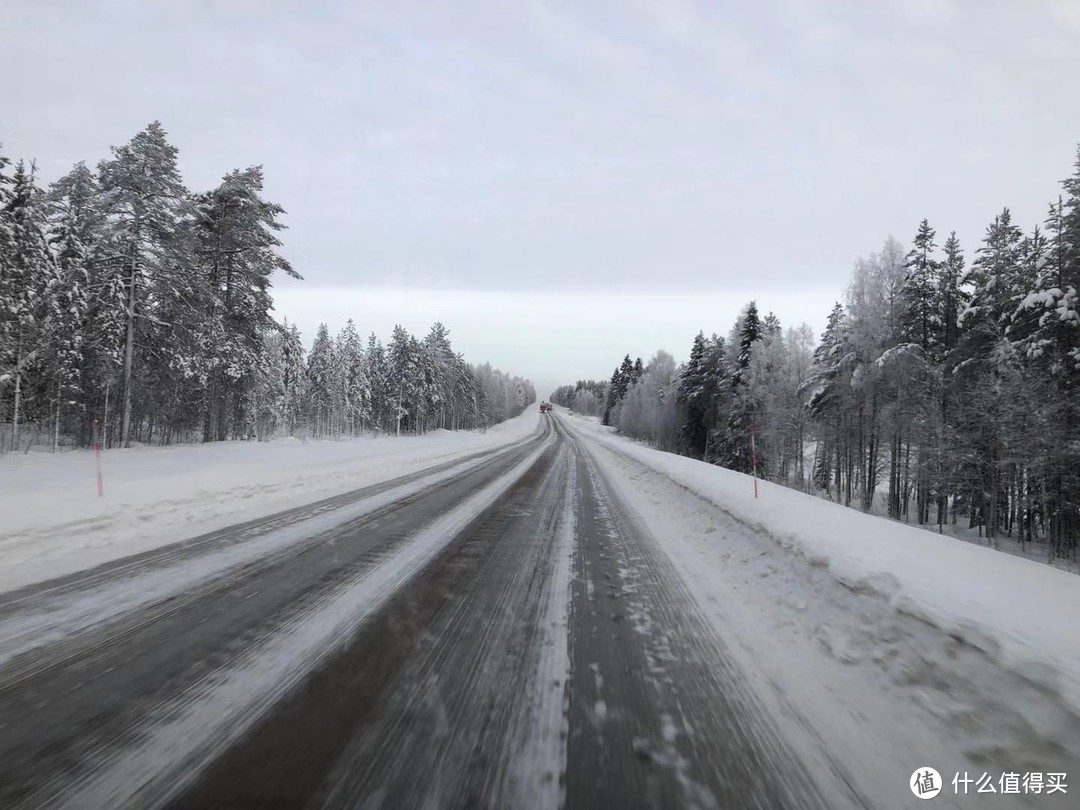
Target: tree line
(940,388)
(135,310)
(586,397)
(344,387)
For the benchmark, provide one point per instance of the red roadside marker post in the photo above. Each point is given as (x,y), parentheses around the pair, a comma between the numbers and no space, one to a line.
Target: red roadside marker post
(753,456)
(97,458)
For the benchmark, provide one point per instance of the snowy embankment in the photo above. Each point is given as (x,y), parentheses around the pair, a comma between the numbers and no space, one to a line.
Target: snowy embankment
(847,617)
(54,523)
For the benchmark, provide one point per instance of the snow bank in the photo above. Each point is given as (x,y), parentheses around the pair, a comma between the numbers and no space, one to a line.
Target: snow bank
(1020,614)
(53,522)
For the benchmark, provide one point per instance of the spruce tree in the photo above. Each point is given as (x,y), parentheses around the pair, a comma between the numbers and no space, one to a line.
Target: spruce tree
(26,264)
(76,342)
(621,379)
(994,277)
(750,332)
(690,390)
(322,382)
(378,378)
(404,378)
(951,300)
(295,377)
(922,324)
(736,453)
(355,389)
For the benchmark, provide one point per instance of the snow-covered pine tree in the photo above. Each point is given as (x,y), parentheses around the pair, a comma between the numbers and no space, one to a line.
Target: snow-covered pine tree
(1045,328)
(750,331)
(628,373)
(620,380)
(986,363)
(64,330)
(612,396)
(79,232)
(423,385)
(294,384)
(1050,308)
(1063,508)
(143,199)
(322,387)
(403,379)
(826,393)
(921,322)
(441,360)
(25,269)
(718,395)
(75,345)
(377,373)
(951,300)
(742,416)
(355,388)
(994,278)
(922,327)
(691,394)
(8,327)
(237,253)
(269,412)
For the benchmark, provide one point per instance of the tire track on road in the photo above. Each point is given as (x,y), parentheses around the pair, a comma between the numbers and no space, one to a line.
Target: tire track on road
(659,716)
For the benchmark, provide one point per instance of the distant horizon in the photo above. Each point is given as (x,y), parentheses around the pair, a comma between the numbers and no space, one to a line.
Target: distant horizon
(524,322)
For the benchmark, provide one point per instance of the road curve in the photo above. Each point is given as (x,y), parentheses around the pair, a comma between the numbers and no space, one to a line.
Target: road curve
(495,632)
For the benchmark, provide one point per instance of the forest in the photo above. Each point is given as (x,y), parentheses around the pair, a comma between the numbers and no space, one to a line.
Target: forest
(940,390)
(133,310)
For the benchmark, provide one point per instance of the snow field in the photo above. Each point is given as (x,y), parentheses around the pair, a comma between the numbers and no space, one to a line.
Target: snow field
(53,523)
(882,646)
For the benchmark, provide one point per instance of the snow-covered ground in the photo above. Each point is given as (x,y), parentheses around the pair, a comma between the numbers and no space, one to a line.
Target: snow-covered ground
(886,646)
(1037,551)
(52,521)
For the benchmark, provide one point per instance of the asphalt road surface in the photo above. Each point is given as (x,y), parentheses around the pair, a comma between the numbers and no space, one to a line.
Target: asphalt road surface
(495,632)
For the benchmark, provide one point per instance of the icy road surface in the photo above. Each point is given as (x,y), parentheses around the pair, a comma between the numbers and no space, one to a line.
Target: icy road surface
(501,630)
(497,632)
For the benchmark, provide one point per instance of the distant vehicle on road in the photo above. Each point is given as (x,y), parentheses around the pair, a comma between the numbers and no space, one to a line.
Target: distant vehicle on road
(544,407)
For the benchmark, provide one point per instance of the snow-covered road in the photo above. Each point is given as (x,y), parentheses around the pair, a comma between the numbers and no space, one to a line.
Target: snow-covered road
(543,621)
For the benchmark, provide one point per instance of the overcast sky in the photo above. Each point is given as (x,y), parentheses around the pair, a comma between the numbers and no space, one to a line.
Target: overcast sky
(499,165)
